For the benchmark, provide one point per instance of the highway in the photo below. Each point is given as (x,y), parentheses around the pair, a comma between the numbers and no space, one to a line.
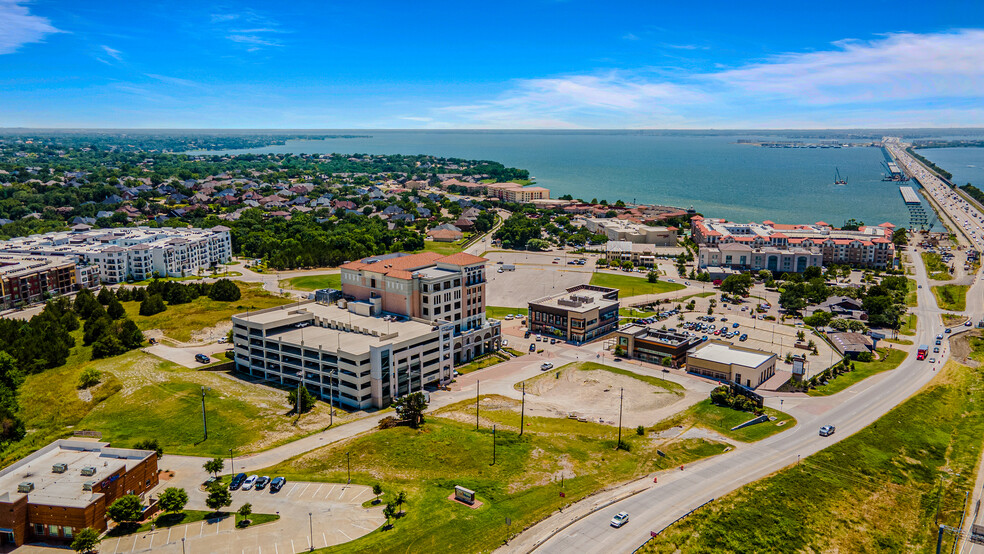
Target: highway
(678,492)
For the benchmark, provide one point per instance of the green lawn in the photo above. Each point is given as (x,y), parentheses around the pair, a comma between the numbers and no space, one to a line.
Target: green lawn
(165,520)
(937,270)
(633,286)
(722,419)
(909,322)
(523,485)
(875,491)
(178,322)
(500,312)
(911,298)
(951,297)
(313,282)
(891,358)
(488,360)
(445,248)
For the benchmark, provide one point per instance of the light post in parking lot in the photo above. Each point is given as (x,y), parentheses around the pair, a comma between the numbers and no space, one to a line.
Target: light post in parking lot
(232,462)
(311,525)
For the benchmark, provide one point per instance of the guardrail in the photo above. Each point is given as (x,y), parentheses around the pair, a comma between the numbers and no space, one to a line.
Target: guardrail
(654,534)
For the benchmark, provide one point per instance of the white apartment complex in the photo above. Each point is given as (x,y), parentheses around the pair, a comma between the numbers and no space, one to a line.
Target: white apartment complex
(628,231)
(132,252)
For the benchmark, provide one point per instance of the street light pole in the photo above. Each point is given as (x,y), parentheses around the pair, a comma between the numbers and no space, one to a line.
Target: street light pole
(348,463)
(619,443)
(232,462)
(204,419)
(311,525)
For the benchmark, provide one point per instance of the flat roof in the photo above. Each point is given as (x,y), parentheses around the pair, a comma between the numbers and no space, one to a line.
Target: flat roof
(580,301)
(724,354)
(65,489)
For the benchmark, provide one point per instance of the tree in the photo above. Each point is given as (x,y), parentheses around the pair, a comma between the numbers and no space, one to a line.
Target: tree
(173,499)
(852,225)
(765,275)
(150,444)
(152,305)
(818,319)
(125,510)
(89,377)
(224,290)
(115,309)
(401,498)
(214,466)
(737,284)
(105,295)
(85,303)
(86,540)
(218,496)
(900,237)
(812,272)
(377,490)
(411,408)
(389,512)
(307,401)
(245,511)
(537,245)
(130,335)
(652,276)
(107,346)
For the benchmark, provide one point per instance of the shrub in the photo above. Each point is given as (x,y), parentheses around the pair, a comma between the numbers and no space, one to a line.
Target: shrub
(224,290)
(152,305)
(89,377)
(865,357)
(640,430)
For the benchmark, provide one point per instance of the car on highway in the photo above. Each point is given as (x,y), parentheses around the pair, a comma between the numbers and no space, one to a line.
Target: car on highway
(249,482)
(936,350)
(277,484)
(932,360)
(826,430)
(948,330)
(261,483)
(237,481)
(545,366)
(620,519)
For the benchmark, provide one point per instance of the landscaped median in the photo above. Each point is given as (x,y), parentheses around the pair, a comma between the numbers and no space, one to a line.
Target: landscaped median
(951,297)
(482,362)
(879,490)
(889,358)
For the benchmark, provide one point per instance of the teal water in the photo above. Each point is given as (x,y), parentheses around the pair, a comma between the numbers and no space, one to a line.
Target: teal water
(966,164)
(717,176)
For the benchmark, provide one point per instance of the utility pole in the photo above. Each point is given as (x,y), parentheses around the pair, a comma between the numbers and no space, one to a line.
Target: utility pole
(232,462)
(522,410)
(956,539)
(493,445)
(204,419)
(477,385)
(619,443)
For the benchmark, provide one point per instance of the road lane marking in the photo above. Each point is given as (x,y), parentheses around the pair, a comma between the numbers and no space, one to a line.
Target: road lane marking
(151,541)
(201,530)
(292,549)
(168,535)
(358,495)
(117,545)
(326,539)
(134,547)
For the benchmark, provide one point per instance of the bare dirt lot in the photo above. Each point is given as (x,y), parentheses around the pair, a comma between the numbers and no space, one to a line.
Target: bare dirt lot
(594,395)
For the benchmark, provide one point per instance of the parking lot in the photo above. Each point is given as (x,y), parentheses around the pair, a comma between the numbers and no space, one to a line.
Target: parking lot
(535,276)
(186,356)
(328,513)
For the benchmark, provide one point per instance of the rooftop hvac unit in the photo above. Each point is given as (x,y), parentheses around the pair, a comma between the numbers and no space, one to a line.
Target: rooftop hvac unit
(88,471)
(87,486)
(59,468)
(26,486)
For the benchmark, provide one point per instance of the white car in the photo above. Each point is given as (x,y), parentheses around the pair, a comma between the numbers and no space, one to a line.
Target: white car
(248,483)
(620,519)
(545,366)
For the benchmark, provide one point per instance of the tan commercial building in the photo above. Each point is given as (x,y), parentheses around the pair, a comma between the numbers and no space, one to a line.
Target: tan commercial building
(515,192)
(580,314)
(650,344)
(736,364)
(66,486)
(623,230)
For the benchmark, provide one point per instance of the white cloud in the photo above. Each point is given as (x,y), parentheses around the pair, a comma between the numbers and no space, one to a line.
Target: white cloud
(852,83)
(19,27)
(112,52)
(253,39)
(173,80)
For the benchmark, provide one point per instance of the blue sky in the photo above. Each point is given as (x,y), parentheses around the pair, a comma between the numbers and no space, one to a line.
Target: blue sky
(527,64)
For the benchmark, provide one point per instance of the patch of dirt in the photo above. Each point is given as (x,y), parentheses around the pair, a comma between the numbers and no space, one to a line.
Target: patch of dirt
(680,432)
(594,395)
(85,395)
(961,349)
(210,334)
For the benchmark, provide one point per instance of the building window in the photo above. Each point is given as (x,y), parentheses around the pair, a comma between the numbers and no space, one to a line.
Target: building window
(39,529)
(67,532)
(53,530)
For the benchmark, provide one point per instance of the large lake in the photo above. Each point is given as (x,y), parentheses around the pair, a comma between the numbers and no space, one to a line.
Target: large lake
(715,174)
(966,164)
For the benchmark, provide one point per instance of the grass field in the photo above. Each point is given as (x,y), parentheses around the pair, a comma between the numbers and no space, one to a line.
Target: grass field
(445,248)
(178,322)
(911,298)
(891,358)
(875,491)
(500,312)
(313,282)
(909,322)
(633,286)
(937,270)
(951,297)
(721,419)
(523,484)
(488,360)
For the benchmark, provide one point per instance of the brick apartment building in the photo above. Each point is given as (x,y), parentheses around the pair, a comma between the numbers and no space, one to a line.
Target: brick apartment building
(29,279)
(66,486)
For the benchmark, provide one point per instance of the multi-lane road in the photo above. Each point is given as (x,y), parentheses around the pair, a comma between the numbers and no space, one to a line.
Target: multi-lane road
(678,492)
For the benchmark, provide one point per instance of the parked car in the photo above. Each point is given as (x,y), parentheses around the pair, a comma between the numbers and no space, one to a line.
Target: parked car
(545,366)
(237,481)
(202,358)
(261,483)
(532,347)
(620,519)
(249,482)
(553,340)
(826,430)
(277,484)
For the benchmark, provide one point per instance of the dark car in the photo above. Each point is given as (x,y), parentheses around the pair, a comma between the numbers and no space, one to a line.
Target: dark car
(277,484)
(261,482)
(532,346)
(202,358)
(237,481)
